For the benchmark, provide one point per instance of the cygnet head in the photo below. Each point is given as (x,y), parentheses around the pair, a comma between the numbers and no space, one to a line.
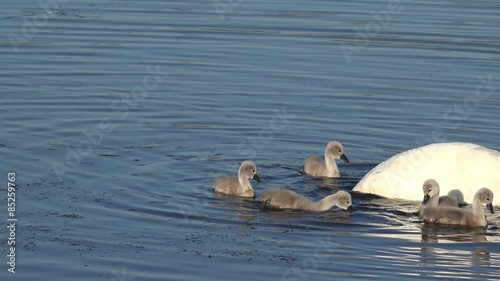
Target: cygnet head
(485,196)
(431,189)
(336,150)
(344,201)
(249,171)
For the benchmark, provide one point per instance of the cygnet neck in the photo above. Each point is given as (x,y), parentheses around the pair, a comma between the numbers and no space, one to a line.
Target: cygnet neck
(326,203)
(331,165)
(244,181)
(477,207)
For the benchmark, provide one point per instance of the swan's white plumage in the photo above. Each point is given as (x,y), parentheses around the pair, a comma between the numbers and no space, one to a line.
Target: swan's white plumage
(462,166)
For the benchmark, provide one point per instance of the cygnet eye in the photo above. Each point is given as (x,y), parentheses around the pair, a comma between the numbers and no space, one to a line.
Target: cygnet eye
(253,171)
(340,150)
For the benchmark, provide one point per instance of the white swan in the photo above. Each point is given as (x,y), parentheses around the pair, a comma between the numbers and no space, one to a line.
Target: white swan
(239,186)
(326,167)
(462,166)
(287,199)
(458,216)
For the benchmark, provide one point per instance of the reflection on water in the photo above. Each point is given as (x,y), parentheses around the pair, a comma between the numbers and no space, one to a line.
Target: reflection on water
(452,262)
(449,260)
(437,233)
(481,256)
(330,183)
(300,217)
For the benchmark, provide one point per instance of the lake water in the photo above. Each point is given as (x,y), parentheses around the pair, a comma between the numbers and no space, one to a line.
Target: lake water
(117,116)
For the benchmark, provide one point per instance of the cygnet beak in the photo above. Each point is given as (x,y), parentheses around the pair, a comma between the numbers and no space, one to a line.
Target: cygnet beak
(489,206)
(350,209)
(344,158)
(256,178)
(426,199)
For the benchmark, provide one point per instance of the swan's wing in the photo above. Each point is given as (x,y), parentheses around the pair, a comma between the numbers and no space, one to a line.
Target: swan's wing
(445,215)
(227,185)
(282,199)
(315,166)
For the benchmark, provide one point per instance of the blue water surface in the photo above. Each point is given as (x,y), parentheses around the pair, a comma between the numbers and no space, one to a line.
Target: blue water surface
(117,116)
